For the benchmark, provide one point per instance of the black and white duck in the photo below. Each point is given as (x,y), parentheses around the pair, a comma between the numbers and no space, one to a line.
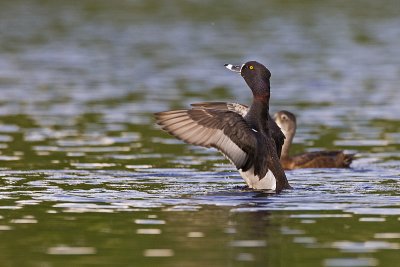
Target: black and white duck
(248,137)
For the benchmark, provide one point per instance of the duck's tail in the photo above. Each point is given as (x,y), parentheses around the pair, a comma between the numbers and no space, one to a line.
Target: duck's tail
(348,159)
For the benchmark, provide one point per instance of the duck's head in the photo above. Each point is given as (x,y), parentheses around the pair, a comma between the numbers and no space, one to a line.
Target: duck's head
(255,74)
(286,121)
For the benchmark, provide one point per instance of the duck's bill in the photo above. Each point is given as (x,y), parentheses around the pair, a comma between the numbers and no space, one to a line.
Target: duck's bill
(235,68)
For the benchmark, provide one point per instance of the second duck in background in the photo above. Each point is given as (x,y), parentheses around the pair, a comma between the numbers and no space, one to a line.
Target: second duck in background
(318,159)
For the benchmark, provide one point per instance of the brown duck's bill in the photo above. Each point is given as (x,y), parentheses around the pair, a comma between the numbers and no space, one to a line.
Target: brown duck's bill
(234,68)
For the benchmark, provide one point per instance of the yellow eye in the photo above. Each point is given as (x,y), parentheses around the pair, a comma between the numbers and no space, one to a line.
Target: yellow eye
(251,67)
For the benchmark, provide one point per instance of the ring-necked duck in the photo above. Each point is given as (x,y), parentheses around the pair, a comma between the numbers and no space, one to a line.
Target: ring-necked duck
(251,141)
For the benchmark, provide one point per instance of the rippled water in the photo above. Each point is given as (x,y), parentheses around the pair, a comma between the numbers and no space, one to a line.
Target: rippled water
(88,179)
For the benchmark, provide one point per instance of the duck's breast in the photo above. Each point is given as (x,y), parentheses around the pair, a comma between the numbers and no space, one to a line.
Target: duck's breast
(268,182)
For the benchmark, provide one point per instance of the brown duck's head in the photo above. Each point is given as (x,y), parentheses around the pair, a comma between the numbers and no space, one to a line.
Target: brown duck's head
(286,121)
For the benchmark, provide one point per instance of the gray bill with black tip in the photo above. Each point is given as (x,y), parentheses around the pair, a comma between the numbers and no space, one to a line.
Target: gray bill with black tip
(235,68)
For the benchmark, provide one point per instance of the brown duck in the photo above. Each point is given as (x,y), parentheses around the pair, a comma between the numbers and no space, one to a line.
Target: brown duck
(251,141)
(318,159)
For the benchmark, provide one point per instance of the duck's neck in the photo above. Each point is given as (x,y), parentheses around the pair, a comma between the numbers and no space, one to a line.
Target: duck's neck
(288,142)
(258,113)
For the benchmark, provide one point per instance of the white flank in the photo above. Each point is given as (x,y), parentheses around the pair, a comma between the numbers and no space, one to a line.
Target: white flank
(267,182)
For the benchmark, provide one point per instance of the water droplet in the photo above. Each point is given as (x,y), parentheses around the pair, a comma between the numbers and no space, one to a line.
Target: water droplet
(248,243)
(158,253)
(145,221)
(65,250)
(148,231)
(387,235)
(372,219)
(245,257)
(23,221)
(5,227)
(195,234)
(353,262)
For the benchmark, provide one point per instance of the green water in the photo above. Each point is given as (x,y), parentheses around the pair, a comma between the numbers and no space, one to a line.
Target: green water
(87,179)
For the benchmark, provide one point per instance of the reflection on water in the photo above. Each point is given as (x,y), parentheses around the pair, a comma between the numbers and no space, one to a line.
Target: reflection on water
(63,250)
(328,210)
(87,179)
(351,262)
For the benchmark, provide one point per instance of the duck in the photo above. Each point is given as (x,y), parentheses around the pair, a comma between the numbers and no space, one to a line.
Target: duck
(251,140)
(317,159)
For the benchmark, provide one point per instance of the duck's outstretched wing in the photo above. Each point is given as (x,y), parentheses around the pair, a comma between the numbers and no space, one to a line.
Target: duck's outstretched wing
(224,130)
(276,133)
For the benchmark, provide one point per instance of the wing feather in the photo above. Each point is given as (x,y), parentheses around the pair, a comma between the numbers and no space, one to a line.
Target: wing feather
(224,130)
(235,107)
(276,133)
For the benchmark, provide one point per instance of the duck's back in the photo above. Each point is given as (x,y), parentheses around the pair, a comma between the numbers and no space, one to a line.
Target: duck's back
(318,159)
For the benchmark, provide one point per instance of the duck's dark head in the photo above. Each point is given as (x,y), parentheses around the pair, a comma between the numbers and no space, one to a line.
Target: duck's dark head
(256,76)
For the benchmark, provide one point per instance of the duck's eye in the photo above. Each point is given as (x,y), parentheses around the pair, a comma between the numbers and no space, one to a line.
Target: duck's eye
(284,117)
(251,67)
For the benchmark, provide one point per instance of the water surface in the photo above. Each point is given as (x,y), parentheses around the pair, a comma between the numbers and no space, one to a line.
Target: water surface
(88,179)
